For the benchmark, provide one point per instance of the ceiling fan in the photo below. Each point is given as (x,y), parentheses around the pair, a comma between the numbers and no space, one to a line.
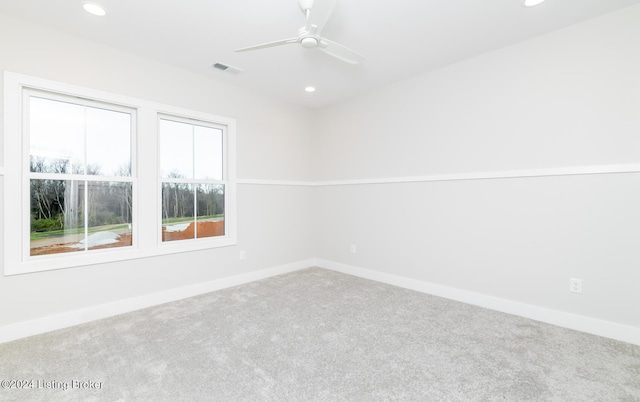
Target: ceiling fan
(317,13)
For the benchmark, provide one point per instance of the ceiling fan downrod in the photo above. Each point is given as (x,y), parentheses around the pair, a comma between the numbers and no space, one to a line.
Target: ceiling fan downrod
(305,6)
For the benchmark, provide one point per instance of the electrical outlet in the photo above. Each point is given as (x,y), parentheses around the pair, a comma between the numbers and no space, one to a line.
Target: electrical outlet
(575,285)
(243,255)
(353,249)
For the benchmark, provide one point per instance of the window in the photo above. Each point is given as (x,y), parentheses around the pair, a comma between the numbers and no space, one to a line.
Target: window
(78,191)
(192,179)
(80,179)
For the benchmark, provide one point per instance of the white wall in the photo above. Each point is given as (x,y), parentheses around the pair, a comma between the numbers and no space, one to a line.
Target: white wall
(272,143)
(567,99)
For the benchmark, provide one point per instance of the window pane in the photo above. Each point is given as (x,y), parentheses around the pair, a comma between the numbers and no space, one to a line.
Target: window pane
(208,153)
(210,203)
(56,135)
(176,149)
(57,216)
(177,212)
(108,136)
(108,215)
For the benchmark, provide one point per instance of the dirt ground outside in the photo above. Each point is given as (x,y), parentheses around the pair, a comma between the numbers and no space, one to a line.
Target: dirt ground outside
(125,239)
(65,244)
(204,229)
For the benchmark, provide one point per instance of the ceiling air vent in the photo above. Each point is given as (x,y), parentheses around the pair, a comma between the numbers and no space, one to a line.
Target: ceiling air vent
(227,69)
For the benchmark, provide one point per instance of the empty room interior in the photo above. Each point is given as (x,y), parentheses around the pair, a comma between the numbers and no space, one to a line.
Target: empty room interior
(320,200)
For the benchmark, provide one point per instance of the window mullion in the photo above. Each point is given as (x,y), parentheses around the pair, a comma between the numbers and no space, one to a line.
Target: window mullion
(86,182)
(86,215)
(193,186)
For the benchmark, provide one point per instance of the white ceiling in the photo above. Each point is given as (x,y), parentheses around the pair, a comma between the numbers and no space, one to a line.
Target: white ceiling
(398,38)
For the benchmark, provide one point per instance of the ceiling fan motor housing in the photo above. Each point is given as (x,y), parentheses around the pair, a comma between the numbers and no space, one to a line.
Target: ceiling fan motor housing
(309,42)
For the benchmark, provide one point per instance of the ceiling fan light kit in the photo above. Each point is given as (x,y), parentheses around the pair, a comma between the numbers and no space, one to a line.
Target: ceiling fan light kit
(317,13)
(309,43)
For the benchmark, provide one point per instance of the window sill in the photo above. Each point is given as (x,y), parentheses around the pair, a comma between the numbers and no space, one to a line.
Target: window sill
(63,261)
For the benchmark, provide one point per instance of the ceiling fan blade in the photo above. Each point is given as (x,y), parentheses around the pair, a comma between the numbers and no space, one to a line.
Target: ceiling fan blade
(319,14)
(339,51)
(270,44)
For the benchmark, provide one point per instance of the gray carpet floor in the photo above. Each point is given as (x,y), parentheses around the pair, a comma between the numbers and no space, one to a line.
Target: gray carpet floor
(318,335)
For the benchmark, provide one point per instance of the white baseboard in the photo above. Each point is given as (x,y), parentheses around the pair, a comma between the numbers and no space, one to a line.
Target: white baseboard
(58,321)
(590,325)
(576,322)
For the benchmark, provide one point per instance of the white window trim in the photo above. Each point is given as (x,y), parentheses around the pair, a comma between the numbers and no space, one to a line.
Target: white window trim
(224,181)
(146,225)
(26,175)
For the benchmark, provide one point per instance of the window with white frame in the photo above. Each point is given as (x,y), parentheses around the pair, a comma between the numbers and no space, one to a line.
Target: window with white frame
(193,178)
(80,181)
(92,177)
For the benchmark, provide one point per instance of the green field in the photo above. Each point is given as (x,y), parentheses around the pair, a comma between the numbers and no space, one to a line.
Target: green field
(190,219)
(60,233)
(94,229)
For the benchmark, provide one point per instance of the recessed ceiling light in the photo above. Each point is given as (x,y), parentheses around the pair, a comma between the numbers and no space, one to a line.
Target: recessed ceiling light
(94,9)
(310,89)
(531,3)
